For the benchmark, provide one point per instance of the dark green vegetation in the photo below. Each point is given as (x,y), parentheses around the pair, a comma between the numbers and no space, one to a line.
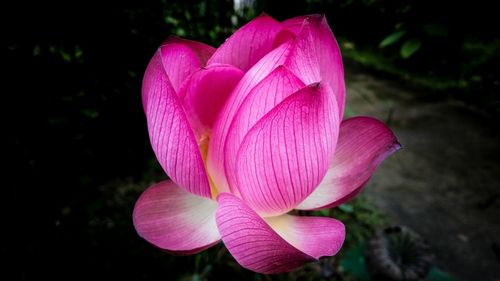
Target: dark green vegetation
(77,149)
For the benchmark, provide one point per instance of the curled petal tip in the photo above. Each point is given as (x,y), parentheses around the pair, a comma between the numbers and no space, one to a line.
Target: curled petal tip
(397,146)
(393,147)
(315,85)
(169,39)
(264,14)
(363,144)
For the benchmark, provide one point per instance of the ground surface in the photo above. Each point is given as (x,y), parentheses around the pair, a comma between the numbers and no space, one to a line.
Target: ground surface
(445,183)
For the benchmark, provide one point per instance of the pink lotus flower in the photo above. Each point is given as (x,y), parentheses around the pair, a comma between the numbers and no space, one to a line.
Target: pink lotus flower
(248,132)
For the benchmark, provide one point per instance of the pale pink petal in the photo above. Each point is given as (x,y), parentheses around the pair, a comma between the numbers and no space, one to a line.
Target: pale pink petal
(286,154)
(205,94)
(215,160)
(258,247)
(248,44)
(265,96)
(201,50)
(316,57)
(171,136)
(172,219)
(363,144)
(315,236)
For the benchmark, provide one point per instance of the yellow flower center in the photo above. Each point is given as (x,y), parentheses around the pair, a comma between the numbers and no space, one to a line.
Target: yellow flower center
(203,142)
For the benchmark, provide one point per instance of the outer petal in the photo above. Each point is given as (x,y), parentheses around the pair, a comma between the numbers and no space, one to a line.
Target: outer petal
(175,220)
(285,155)
(171,137)
(315,236)
(265,96)
(256,246)
(215,160)
(205,93)
(248,44)
(363,144)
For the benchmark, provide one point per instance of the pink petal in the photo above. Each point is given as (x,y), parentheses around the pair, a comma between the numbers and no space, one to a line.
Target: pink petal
(258,247)
(316,57)
(248,44)
(179,62)
(201,50)
(171,136)
(295,24)
(313,56)
(175,220)
(363,144)
(205,93)
(215,160)
(315,236)
(291,28)
(265,96)
(286,154)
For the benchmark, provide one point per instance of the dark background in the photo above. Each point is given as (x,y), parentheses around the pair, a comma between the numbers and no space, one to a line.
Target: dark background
(77,149)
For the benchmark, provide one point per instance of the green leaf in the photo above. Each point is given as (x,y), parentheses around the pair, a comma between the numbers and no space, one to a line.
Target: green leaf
(90,113)
(65,55)
(346,208)
(391,39)
(171,20)
(410,47)
(181,32)
(322,213)
(354,263)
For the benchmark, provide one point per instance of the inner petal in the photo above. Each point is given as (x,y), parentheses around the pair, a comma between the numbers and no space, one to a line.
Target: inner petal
(203,96)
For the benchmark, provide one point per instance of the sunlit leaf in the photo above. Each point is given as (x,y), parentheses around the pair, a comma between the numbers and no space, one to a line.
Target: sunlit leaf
(410,47)
(391,39)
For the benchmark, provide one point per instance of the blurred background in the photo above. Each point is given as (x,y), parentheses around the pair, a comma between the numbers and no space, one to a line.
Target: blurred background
(78,153)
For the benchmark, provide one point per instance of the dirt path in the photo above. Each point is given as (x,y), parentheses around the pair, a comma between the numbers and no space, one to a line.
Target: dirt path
(445,183)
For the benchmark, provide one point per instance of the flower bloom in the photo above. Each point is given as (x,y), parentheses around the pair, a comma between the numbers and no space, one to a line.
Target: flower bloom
(248,132)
